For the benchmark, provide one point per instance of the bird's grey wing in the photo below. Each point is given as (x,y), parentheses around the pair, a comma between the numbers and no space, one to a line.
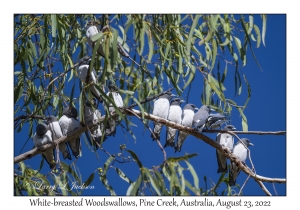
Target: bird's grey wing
(157,130)
(222,162)
(233,173)
(75,146)
(180,139)
(49,157)
(171,133)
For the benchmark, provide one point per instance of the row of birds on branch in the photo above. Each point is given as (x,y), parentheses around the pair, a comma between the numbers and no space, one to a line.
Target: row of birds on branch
(165,107)
(168,108)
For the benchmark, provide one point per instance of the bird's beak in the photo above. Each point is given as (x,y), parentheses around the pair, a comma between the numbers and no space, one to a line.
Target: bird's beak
(212,110)
(250,144)
(196,109)
(173,95)
(182,101)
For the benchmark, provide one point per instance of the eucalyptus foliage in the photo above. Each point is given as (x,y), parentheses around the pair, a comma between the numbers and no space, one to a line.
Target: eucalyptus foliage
(168,48)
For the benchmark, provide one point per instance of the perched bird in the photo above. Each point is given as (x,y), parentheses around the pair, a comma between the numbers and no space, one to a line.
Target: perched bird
(225,140)
(215,121)
(113,94)
(92,30)
(55,129)
(241,152)
(90,78)
(42,137)
(187,120)
(68,122)
(161,109)
(175,114)
(93,113)
(200,117)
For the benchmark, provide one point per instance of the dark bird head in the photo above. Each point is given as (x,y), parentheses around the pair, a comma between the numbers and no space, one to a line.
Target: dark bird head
(41,129)
(50,119)
(246,142)
(70,112)
(93,103)
(168,95)
(206,108)
(85,60)
(190,106)
(229,128)
(176,101)
(112,87)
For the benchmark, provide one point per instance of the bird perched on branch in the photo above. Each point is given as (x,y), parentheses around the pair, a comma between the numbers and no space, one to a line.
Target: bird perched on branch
(215,121)
(200,117)
(187,120)
(92,113)
(225,140)
(92,30)
(175,115)
(117,99)
(88,77)
(68,122)
(55,129)
(161,109)
(241,152)
(42,137)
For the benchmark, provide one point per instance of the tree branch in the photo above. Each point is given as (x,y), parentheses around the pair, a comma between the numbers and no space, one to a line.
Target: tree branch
(248,132)
(165,122)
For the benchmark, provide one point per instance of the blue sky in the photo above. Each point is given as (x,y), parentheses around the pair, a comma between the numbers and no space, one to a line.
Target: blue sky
(266,111)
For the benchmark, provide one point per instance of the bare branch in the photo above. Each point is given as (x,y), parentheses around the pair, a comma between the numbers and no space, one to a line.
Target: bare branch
(248,132)
(264,188)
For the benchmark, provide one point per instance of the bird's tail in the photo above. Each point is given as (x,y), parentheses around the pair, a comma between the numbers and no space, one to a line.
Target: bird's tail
(156,131)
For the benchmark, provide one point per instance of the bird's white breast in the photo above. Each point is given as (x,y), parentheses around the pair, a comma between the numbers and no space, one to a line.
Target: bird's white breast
(175,114)
(82,72)
(188,116)
(240,151)
(45,139)
(56,130)
(161,108)
(64,122)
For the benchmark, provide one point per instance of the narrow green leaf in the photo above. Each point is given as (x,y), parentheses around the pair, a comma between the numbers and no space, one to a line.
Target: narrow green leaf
(18,91)
(249,91)
(135,157)
(123,176)
(89,180)
(155,187)
(191,77)
(214,53)
(23,167)
(151,45)
(71,65)
(185,157)
(134,187)
(258,35)
(180,172)
(189,40)
(244,119)
(264,28)
(123,33)
(54,23)
(161,181)
(97,36)
(106,165)
(71,171)
(188,184)
(250,24)
(194,174)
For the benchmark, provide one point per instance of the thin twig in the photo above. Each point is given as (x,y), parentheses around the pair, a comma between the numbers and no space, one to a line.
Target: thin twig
(158,142)
(264,188)
(244,185)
